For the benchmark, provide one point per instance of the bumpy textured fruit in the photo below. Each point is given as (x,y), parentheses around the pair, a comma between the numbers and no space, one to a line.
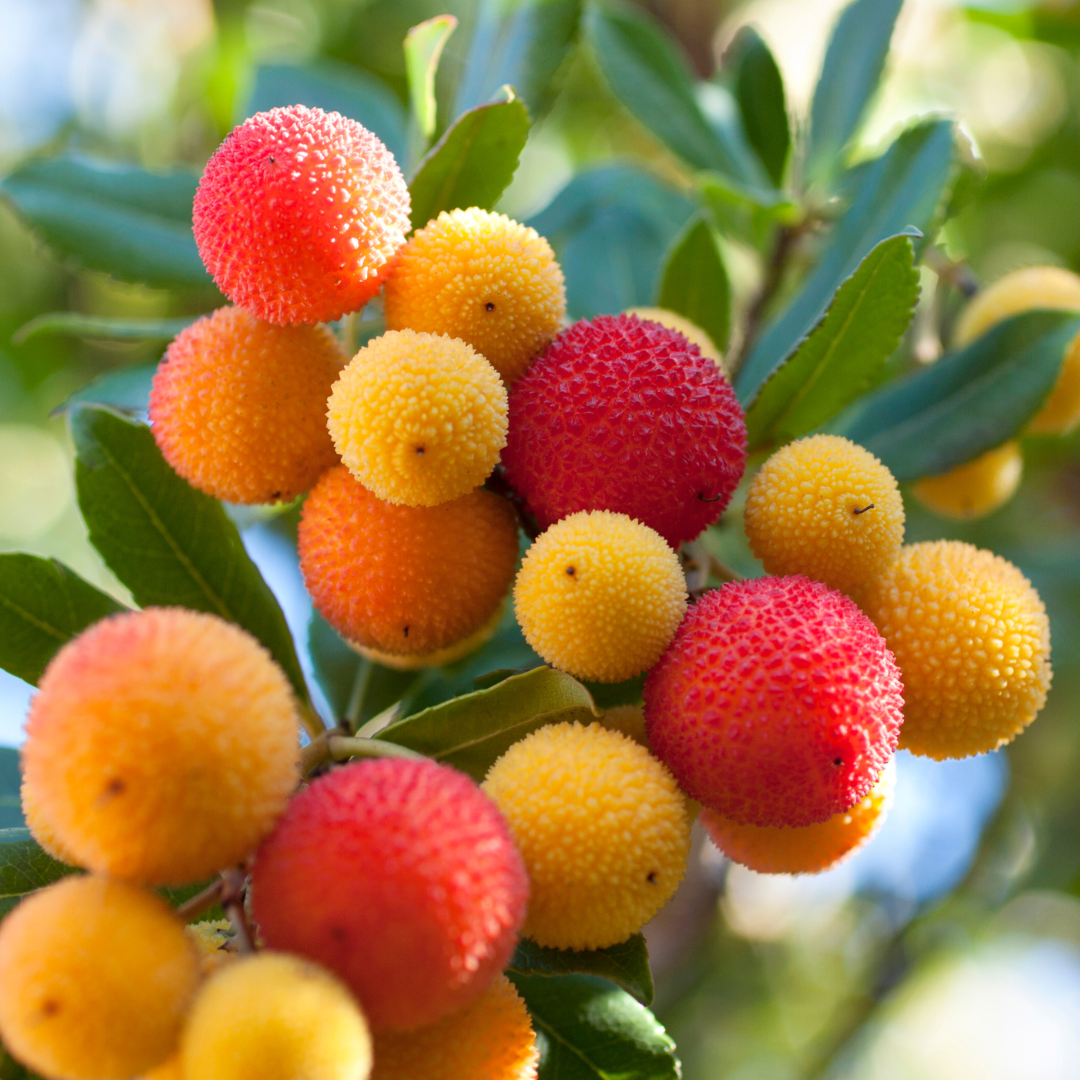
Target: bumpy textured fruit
(972,640)
(298,215)
(602,827)
(976,488)
(418,419)
(437,657)
(405,580)
(95,979)
(237,406)
(1024,290)
(811,849)
(211,938)
(681,325)
(825,508)
(483,278)
(600,596)
(625,415)
(162,746)
(492,1039)
(40,828)
(275,1017)
(778,702)
(400,876)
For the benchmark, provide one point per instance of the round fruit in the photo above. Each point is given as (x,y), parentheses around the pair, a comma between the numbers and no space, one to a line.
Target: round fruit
(483,278)
(602,828)
(972,640)
(298,215)
(275,1017)
(600,596)
(418,419)
(162,746)
(406,580)
(171,1070)
(624,415)
(40,829)
(237,406)
(400,876)
(95,979)
(825,508)
(211,938)
(778,703)
(681,325)
(976,488)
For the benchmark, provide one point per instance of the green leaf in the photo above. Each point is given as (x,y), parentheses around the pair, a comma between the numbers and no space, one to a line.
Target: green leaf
(423,47)
(471,732)
(759,91)
(849,76)
(474,162)
(588,1029)
(626,965)
(11,816)
(74,324)
(133,224)
(43,605)
(168,543)
(695,282)
(840,358)
(126,391)
(24,867)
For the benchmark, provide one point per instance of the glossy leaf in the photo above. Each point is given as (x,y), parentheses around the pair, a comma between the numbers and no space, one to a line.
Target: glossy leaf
(695,282)
(74,324)
(626,964)
(423,46)
(759,91)
(24,867)
(126,390)
(10,784)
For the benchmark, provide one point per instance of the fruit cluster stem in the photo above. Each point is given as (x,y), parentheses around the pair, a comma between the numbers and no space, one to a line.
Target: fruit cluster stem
(201,902)
(233,891)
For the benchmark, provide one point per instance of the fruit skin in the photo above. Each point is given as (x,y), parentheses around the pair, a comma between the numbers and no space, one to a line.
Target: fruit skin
(625,415)
(437,657)
(826,508)
(492,1039)
(320,193)
(975,488)
(811,849)
(972,640)
(602,828)
(210,938)
(681,325)
(1024,290)
(95,979)
(405,580)
(275,1017)
(777,704)
(402,878)
(40,829)
(236,406)
(600,596)
(419,419)
(162,746)
(451,270)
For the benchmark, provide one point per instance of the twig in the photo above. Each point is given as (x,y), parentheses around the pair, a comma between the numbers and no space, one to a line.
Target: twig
(311,721)
(234,888)
(343,747)
(317,752)
(957,274)
(201,902)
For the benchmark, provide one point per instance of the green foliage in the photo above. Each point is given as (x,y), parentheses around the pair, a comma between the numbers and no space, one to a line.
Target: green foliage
(759,91)
(625,964)
(125,391)
(424,44)
(695,282)
(24,867)
(97,326)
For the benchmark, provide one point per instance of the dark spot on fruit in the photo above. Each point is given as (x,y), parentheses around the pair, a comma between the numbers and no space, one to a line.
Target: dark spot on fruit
(651,877)
(489,306)
(704,498)
(50,1007)
(275,495)
(406,631)
(571,571)
(856,510)
(419,451)
(339,933)
(838,761)
(272,159)
(114,787)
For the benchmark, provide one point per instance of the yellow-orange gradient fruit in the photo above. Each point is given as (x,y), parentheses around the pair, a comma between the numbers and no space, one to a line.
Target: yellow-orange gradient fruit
(41,830)
(481,277)
(171,1070)
(602,827)
(972,641)
(681,325)
(272,1016)
(976,488)
(418,419)
(600,596)
(238,406)
(807,850)
(162,746)
(825,508)
(491,1039)
(95,979)
(1025,290)
(402,579)
(437,657)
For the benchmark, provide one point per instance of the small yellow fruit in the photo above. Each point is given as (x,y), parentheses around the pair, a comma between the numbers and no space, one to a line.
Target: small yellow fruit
(976,488)
(681,325)
(211,938)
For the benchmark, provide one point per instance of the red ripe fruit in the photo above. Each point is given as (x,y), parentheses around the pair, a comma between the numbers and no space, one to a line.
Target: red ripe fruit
(777,703)
(299,214)
(624,414)
(402,878)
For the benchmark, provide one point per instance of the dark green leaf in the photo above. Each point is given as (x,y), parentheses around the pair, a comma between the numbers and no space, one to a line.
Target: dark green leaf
(24,867)
(759,90)
(126,391)
(43,605)
(10,1069)
(610,695)
(695,282)
(845,351)
(168,543)
(423,46)
(626,965)
(10,784)
(95,326)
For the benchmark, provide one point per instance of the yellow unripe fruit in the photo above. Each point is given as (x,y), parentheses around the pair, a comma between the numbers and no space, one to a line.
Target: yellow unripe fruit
(483,278)
(1033,287)
(95,979)
(418,419)
(976,488)
(602,827)
(275,1017)
(600,596)
(681,325)
(41,830)
(171,1070)
(972,641)
(826,508)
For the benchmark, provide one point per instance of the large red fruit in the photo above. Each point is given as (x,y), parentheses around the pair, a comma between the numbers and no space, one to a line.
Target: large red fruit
(299,215)
(401,877)
(623,414)
(777,703)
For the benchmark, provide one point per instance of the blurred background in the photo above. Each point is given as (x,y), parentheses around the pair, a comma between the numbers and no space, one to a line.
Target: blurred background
(950,947)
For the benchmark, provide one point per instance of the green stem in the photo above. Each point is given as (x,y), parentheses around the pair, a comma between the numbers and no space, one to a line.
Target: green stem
(343,747)
(311,721)
(359,693)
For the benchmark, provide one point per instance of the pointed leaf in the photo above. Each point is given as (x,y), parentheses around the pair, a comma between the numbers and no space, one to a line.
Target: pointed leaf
(95,326)
(626,964)
(423,47)
(695,282)
(759,90)
(24,867)
(125,391)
